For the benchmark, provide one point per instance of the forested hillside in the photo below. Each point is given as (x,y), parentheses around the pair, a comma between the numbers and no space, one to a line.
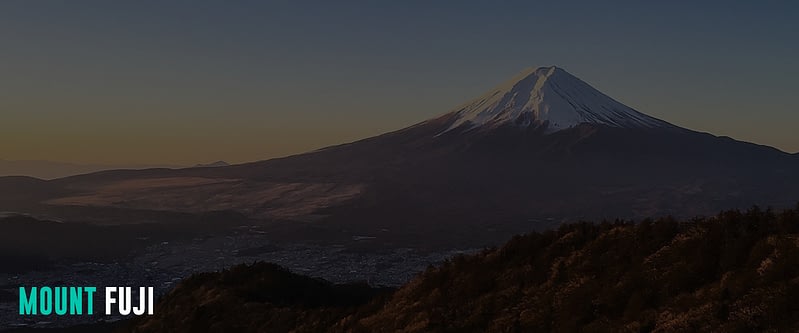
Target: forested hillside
(734,272)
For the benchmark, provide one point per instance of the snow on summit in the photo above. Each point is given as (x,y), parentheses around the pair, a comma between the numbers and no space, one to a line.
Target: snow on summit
(551,97)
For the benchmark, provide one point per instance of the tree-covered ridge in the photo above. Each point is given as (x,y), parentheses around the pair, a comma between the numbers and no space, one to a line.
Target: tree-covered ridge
(261,297)
(734,272)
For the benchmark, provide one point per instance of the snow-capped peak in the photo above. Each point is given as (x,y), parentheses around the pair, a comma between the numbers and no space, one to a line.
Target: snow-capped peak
(551,97)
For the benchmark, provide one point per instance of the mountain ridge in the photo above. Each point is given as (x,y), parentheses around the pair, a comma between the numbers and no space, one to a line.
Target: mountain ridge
(55,169)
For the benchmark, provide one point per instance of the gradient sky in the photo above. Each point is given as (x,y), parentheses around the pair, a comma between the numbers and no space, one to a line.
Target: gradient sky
(194,81)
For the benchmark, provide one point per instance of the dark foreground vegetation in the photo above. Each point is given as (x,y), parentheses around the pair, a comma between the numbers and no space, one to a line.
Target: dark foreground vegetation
(735,272)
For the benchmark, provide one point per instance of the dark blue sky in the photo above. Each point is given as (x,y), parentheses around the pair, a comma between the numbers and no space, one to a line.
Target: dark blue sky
(193,81)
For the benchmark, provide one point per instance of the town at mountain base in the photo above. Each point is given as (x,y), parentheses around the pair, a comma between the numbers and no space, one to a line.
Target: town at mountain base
(733,272)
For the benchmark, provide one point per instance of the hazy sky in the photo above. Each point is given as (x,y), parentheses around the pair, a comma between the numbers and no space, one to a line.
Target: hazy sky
(193,81)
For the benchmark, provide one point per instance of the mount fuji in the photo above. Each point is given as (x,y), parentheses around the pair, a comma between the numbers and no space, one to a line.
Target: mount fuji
(550,98)
(538,150)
